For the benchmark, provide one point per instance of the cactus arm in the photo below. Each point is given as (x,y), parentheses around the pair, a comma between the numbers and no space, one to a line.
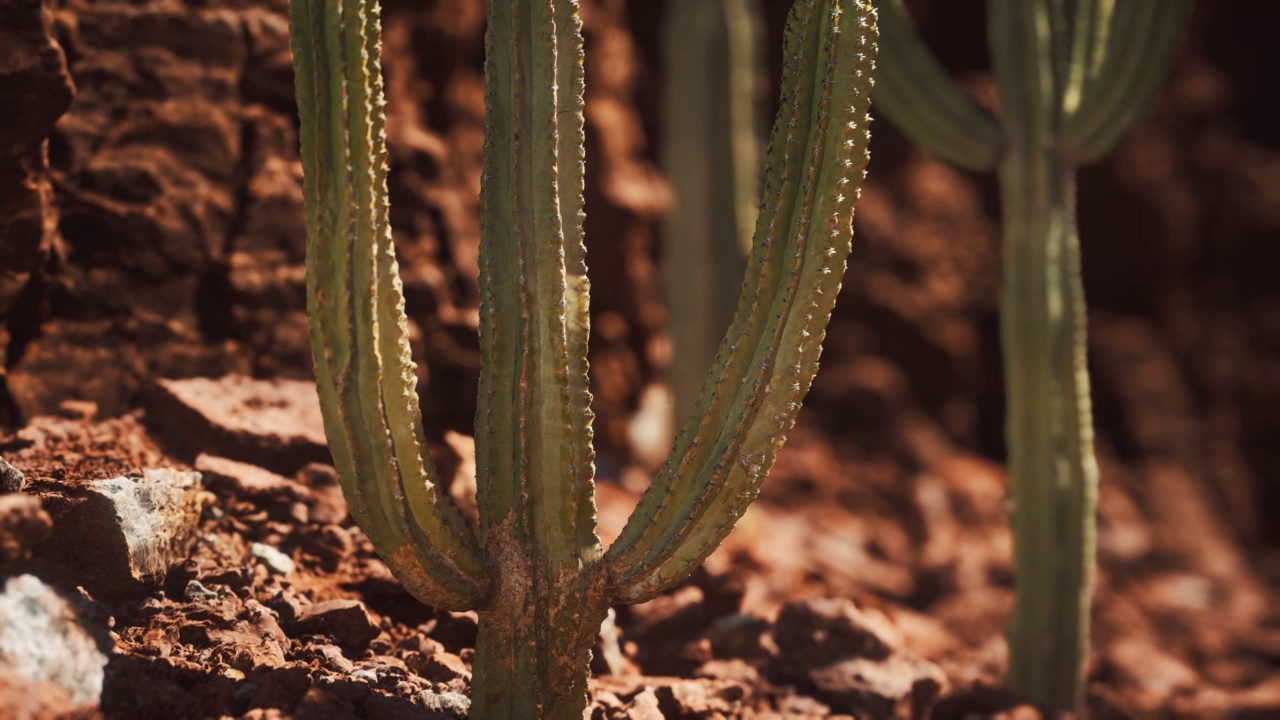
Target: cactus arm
(365,377)
(1052,471)
(712,155)
(921,99)
(1141,46)
(571,187)
(534,457)
(1091,24)
(816,162)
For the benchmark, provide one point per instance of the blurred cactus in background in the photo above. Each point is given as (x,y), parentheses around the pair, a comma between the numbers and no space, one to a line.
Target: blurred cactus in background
(1073,78)
(712,155)
(537,575)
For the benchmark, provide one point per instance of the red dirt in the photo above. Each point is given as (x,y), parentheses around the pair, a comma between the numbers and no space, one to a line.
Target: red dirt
(162,240)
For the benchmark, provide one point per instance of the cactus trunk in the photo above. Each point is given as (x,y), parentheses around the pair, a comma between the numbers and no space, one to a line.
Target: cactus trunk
(1049,426)
(1052,471)
(1073,77)
(533,450)
(712,157)
(525,671)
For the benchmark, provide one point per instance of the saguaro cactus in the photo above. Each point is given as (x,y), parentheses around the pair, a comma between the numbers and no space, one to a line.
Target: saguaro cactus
(537,574)
(712,154)
(1073,77)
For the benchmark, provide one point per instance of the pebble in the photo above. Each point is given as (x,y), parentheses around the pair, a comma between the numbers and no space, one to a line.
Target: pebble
(453,703)
(195,591)
(347,621)
(11,478)
(277,561)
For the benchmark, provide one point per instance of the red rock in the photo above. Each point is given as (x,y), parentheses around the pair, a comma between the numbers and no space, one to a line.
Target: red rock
(275,424)
(120,536)
(853,660)
(347,621)
(35,84)
(263,488)
(443,667)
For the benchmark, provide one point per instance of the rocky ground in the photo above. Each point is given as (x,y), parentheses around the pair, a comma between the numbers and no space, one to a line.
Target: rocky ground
(152,324)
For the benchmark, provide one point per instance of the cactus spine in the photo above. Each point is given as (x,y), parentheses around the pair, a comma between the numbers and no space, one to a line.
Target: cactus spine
(1073,78)
(537,575)
(712,155)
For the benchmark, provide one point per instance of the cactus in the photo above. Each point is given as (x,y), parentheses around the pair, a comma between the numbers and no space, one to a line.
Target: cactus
(1073,78)
(711,153)
(537,575)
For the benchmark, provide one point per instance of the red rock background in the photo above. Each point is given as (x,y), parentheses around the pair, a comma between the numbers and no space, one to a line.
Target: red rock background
(150,228)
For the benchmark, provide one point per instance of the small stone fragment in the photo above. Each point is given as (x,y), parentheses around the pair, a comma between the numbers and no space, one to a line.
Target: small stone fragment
(119,536)
(265,489)
(443,667)
(644,707)
(11,479)
(275,560)
(450,703)
(275,424)
(346,621)
(335,659)
(43,638)
(196,592)
(23,525)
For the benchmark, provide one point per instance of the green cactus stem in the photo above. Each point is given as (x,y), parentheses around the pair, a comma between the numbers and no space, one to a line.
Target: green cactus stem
(537,574)
(925,103)
(712,151)
(1071,85)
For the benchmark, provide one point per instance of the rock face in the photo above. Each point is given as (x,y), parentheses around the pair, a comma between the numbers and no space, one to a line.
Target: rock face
(121,535)
(52,658)
(33,77)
